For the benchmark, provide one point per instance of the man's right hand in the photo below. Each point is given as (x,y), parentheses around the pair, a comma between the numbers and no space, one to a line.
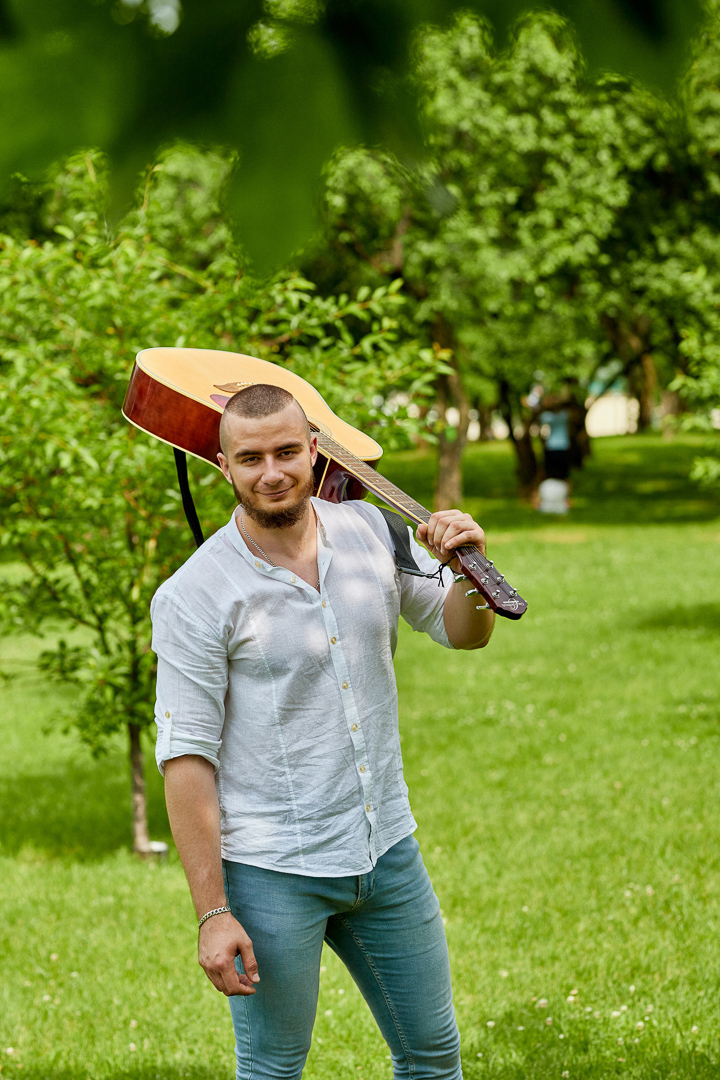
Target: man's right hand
(221,939)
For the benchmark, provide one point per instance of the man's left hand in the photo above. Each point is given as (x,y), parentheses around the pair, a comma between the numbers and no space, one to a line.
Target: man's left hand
(447,530)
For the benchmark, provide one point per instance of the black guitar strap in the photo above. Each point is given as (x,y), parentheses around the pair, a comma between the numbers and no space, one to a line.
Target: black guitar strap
(187,499)
(398,529)
(404,559)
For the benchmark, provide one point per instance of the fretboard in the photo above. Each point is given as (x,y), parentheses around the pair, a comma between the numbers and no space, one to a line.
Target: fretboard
(384,488)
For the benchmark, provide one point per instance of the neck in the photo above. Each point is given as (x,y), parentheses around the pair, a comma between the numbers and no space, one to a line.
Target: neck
(287,540)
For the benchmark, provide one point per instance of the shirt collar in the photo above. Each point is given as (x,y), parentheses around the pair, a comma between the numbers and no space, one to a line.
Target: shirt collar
(254,559)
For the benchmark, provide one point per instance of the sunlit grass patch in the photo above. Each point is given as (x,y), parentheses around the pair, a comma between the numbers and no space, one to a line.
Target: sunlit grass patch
(566,785)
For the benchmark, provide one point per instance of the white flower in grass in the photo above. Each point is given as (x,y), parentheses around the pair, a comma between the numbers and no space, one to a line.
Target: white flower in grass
(328,1012)
(549,1020)
(564,1073)
(542,1004)
(620,1041)
(10,1050)
(53,956)
(521,1027)
(571,999)
(133,1048)
(615,1013)
(491,1023)
(632,989)
(46,997)
(639,1025)
(694,1029)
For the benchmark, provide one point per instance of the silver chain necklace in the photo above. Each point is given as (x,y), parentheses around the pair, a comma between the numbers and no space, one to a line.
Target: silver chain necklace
(247,536)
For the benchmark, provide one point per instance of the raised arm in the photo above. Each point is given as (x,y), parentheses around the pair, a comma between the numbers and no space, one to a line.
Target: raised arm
(466,627)
(194,814)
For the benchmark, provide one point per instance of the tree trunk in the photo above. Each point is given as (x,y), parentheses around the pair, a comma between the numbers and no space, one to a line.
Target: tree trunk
(526,467)
(642,382)
(141,836)
(451,443)
(579,438)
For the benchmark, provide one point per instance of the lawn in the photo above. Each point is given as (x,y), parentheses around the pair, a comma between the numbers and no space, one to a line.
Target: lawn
(565,781)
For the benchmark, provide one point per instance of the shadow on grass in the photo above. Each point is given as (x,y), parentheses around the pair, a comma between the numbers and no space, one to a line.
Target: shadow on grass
(152,1072)
(539,1066)
(698,617)
(81,811)
(673,1065)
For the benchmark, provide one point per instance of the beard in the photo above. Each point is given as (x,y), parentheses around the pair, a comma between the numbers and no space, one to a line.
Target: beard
(278,519)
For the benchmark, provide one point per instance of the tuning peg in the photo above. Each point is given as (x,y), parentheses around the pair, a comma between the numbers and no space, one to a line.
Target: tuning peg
(472,592)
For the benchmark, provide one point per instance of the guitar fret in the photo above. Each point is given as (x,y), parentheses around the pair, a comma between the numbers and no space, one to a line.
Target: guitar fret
(383,487)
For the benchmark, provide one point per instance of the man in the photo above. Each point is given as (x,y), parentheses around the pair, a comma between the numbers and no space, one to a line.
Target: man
(278,737)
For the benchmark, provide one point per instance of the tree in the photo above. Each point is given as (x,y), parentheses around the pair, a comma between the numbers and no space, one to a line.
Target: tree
(283,82)
(508,233)
(89,504)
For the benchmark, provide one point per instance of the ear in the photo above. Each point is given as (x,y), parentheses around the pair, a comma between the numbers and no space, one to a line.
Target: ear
(223,463)
(313,449)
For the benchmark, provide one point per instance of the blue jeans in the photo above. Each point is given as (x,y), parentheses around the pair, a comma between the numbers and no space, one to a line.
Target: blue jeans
(386,928)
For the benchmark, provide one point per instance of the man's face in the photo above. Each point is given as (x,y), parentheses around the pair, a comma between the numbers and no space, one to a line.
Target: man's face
(269,463)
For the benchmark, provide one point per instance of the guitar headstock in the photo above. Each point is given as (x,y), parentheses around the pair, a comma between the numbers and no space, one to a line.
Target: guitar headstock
(491,586)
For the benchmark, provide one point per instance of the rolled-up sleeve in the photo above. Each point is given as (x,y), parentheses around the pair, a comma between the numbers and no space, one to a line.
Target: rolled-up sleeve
(192,680)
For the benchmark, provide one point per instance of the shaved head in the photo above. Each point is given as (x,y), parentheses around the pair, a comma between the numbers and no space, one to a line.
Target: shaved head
(254,402)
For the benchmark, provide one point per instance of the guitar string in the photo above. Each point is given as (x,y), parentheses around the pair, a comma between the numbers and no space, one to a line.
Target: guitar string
(385,488)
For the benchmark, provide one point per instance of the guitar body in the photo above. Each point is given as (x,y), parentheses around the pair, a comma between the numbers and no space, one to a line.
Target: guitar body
(178,395)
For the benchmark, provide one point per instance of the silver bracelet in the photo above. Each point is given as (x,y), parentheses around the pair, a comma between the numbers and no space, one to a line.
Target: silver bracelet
(209,914)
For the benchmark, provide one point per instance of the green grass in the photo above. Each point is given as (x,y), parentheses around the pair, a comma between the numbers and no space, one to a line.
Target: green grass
(566,785)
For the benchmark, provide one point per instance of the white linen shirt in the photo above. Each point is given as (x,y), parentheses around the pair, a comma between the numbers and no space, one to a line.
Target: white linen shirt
(291,692)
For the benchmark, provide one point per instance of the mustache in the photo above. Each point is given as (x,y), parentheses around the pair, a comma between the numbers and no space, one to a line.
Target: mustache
(284,517)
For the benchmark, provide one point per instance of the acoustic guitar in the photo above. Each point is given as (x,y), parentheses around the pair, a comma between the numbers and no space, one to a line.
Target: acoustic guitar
(178,395)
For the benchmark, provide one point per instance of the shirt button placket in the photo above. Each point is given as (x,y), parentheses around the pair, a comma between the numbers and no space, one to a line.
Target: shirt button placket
(348,700)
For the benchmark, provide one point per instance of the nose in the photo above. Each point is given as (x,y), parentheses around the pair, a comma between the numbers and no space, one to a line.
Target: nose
(272,473)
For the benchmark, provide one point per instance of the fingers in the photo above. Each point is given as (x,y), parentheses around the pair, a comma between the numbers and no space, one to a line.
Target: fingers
(448,530)
(218,947)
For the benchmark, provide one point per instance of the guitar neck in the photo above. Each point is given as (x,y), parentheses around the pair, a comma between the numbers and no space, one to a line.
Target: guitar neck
(489,583)
(387,491)
(373,480)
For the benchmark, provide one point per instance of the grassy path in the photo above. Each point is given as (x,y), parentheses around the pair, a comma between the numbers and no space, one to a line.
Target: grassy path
(566,785)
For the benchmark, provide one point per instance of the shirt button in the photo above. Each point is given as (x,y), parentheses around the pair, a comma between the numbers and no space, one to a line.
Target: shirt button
(324,603)
(167,715)
(293,579)
(362,768)
(333,640)
(367,807)
(354,727)
(258,564)
(345,686)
